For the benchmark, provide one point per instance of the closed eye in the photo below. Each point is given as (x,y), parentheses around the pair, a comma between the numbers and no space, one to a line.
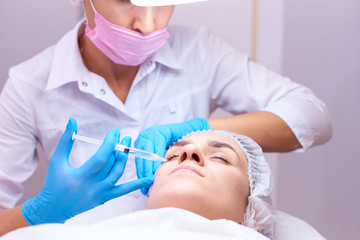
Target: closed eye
(172,157)
(220,159)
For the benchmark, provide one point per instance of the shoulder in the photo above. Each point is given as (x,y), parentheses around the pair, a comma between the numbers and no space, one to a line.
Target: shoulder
(34,71)
(54,60)
(200,41)
(194,42)
(188,31)
(188,34)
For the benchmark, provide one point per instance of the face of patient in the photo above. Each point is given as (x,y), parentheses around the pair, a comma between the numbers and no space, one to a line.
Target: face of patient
(205,174)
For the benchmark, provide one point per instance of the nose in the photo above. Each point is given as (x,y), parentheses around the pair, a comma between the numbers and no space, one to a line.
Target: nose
(145,21)
(191,153)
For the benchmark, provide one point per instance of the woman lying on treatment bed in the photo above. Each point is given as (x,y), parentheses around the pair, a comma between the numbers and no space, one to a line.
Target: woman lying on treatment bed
(210,177)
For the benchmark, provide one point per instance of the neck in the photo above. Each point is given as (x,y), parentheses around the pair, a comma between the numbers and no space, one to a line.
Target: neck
(119,77)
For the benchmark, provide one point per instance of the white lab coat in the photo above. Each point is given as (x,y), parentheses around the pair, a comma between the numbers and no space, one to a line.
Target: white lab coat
(190,76)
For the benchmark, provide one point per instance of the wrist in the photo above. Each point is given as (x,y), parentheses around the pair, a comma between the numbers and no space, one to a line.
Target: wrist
(30,211)
(199,124)
(37,210)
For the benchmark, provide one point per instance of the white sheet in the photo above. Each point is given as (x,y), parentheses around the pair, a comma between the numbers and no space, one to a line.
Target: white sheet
(126,204)
(165,223)
(290,227)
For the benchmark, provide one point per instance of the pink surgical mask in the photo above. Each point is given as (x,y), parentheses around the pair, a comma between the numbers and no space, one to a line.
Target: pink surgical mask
(124,46)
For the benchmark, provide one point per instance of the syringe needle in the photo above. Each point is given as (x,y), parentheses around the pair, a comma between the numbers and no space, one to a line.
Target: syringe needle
(122,148)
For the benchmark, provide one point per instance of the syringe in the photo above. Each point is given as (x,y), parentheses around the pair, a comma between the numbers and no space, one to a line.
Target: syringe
(122,148)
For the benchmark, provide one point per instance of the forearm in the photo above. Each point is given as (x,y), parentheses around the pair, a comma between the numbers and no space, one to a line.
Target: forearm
(266,128)
(11,219)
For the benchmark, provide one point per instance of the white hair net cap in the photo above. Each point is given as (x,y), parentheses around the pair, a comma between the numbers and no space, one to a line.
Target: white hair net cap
(146,3)
(259,215)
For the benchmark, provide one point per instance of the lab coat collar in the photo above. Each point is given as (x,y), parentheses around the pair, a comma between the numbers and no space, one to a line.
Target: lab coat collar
(67,63)
(167,57)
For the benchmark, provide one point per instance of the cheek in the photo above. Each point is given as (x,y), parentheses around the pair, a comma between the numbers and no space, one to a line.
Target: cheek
(162,172)
(164,17)
(233,184)
(121,16)
(160,194)
(90,16)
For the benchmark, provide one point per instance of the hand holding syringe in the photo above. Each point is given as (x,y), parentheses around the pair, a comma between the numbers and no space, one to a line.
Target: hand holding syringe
(61,200)
(124,149)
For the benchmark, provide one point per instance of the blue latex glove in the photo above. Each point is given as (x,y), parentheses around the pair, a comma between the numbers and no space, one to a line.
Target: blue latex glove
(158,138)
(69,191)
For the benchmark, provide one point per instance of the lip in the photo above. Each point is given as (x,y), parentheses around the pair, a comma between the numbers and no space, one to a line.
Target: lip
(187,167)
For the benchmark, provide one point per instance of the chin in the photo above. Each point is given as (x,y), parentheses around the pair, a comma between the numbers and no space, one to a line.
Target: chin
(185,196)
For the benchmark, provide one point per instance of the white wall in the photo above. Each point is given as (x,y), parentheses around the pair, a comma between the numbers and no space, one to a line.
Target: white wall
(28,27)
(322,50)
(229,19)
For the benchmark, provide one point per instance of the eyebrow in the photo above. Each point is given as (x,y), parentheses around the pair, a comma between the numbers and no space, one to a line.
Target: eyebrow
(181,143)
(211,143)
(217,144)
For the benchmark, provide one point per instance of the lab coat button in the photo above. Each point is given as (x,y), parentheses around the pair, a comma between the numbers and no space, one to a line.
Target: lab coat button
(84,84)
(102,91)
(149,63)
(172,108)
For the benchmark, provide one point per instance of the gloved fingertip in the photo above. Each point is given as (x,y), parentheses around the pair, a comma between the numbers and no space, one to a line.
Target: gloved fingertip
(126,141)
(117,135)
(148,181)
(71,125)
(66,141)
(156,165)
(116,132)
(144,191)
(113,136)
